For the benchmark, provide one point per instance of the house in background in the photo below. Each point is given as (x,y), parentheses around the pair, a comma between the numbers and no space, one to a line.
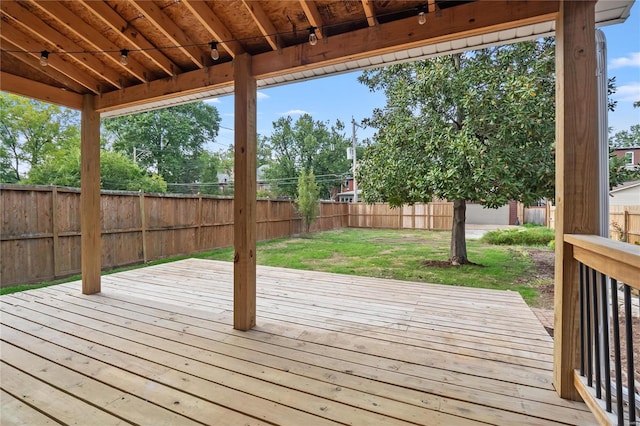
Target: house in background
(631,154)
(346,192)
(627,194)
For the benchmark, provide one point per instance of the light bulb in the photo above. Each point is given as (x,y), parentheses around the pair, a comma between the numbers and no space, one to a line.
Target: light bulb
(215,55)
(44,58)
(124,57)
(422,18)
(313,38)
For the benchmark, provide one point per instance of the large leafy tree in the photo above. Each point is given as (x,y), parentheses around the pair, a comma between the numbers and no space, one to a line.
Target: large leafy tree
(305,145)
(168,141)
(30,131)
(477,126)
(626,138)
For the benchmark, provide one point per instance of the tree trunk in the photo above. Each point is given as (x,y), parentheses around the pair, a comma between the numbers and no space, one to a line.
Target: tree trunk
(458,252)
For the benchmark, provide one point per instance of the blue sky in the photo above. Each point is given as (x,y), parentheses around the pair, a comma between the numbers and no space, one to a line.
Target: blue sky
(342,97)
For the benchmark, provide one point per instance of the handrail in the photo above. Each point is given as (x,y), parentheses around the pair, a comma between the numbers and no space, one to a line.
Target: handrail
(613,258)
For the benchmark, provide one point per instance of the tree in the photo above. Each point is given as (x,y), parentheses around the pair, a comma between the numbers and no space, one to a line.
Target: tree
(307,199)
(170,141)
(626,138)
(305,145)
(477,126)
(30,131)
(117,172)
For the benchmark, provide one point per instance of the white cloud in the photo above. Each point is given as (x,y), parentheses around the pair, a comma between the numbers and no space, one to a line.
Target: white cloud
(632,60)
(295,112)
(213,101)
(262,95)
(628,93)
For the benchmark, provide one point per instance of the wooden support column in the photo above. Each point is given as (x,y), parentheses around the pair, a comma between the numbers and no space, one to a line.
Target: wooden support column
(90,226)
(576,174)
(244,204)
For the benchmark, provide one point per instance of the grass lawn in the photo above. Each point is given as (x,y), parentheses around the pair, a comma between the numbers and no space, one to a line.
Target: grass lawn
(397,255)
(386,254)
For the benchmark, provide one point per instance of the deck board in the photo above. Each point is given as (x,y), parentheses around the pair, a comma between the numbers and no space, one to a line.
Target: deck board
(157,346)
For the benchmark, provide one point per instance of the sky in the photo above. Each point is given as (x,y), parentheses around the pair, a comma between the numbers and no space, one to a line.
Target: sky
(343,97)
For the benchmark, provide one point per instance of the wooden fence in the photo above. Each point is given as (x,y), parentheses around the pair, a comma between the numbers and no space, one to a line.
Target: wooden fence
(624,223)
(431,216)
(40,228)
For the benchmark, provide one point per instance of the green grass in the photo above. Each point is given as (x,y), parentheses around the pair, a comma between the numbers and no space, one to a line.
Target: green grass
(528,235)
(385,254)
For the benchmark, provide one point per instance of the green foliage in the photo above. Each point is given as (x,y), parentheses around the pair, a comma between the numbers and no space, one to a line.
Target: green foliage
(307,199)
(117,172)
(520,236)
(305,145)
(626,138)
(619,172)
(168,141)
(31,131)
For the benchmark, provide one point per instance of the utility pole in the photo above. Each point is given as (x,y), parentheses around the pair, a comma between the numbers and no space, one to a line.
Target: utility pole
(354,140)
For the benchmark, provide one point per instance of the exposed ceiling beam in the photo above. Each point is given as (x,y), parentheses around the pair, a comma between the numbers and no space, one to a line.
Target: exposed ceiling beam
(11,34)
(313,15)
(136,41)
(367,5)
(166,26)
(467,20)
(214,26)
(32,89)
(92,37)
(263,22)
(53,41)
(33,61)
(431,6)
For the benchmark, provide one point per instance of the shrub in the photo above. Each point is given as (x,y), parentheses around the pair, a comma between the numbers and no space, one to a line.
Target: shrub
(520,236)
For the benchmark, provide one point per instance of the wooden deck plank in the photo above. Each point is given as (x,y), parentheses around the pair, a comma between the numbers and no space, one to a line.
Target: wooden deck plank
(14,412)
(327,348)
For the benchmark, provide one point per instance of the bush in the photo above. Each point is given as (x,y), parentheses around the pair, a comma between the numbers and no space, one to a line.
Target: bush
(520,236)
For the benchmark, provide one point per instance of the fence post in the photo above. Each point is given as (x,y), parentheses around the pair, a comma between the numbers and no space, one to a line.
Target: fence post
(54,230)
(626,226)
(200,223)
(143,227)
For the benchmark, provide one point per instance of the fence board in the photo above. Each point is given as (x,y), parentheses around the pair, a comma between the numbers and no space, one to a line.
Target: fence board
(430,216)
(624,223)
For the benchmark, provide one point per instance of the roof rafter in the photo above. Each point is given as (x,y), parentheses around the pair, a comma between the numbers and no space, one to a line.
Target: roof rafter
(214,26)
(367,5)
(313,15)
(166,26)
(33,89)
(136,41)
(31,46)
(33,25)
(264,23)
(91,36)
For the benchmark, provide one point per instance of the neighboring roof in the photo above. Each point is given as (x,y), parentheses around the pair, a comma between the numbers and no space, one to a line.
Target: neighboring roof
(168,42)
(625,186)
(626,148)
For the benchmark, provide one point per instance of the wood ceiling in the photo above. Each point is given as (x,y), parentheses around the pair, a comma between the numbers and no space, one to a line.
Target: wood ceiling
(168,41)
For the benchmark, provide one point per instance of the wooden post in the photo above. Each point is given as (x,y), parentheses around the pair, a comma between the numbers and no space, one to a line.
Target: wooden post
(90,227)
(244,205)
(143,227)
(54,231)
(576,184)
(626,226)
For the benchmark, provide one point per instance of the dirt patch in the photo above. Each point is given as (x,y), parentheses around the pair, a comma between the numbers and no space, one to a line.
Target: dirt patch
(445,264)
(541,276)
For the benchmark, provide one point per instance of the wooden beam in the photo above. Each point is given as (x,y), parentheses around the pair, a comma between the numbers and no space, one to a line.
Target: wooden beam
(244,199)
(32,89)
(165,25)
(214,26)
(92,37)
(367,5)
(16,38)
(431,6)
(470,19)
(263,22)
(313,16)
(33,62)
(90,226)
(576,183)
(136,41)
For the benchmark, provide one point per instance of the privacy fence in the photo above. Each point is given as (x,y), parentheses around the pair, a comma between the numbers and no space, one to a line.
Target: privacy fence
(40,228)
(624,223)
(430,216)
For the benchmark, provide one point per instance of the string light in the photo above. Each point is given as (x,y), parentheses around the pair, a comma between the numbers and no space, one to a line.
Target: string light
(313,38)
(215,55)
(422,15)
(124,57)
(44,58)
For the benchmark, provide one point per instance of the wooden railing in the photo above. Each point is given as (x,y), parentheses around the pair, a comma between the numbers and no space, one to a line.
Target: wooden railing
(609,275)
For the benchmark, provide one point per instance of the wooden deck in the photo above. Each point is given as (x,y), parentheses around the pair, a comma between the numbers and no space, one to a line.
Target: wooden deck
(157,347)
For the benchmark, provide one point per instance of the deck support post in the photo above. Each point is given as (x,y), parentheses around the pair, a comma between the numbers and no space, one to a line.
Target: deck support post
(577,209)
(244,206)
(90,226)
